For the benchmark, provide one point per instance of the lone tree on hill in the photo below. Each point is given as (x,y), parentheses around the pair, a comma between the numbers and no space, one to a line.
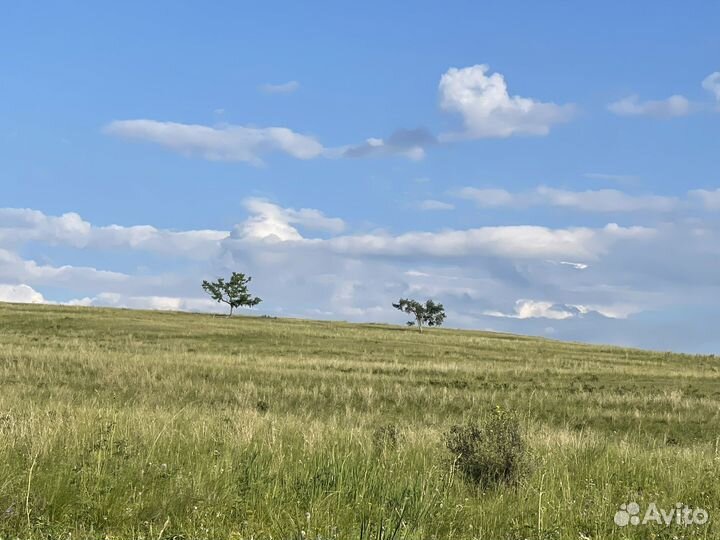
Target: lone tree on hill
(234,292)
(429,313)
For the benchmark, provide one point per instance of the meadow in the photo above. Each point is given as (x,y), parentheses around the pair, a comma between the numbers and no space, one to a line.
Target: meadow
(150,425)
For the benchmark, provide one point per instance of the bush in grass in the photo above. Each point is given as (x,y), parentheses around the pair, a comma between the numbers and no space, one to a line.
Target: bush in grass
(386,437)
(491,453)
(262,406)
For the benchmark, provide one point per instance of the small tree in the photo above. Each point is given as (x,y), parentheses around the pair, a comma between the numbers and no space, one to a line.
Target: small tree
(233,292)
(429,313)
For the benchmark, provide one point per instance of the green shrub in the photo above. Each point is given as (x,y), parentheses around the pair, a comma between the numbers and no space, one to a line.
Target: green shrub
(491,453)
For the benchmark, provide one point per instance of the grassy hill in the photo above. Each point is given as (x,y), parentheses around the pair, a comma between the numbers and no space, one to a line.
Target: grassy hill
(131,424)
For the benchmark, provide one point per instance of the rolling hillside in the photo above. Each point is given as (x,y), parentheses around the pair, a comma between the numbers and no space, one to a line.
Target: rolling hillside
(131,424)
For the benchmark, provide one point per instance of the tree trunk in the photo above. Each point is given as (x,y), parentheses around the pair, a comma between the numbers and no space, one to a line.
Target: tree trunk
(419,323)
(231,310)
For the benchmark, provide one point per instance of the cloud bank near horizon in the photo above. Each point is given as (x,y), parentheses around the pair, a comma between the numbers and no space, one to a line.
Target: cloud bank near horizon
(527,279)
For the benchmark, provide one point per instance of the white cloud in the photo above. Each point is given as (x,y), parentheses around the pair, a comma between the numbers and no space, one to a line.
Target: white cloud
(665,108)
(23,224)
(615,311)
(15,268)
(711,83)
(489,111)
(710,199)
(162,303)
(222,143)
(191,244)
(602,200)
(20,225)
(249,144)
(282,88)
(575,265)
(272,225)
(416,273)
(511,241)
(269,221)
(532,309)
(432,204)
(605,200)
(22,294)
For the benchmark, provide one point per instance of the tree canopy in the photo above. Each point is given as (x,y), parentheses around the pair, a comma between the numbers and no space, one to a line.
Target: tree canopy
(429,313)
(233,292)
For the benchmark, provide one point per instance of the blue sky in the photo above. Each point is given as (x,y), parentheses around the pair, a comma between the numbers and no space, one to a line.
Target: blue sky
(346,155)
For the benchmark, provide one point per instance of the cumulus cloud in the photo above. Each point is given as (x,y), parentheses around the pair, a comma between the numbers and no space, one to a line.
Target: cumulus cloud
(601,200)
(281,88)
(21,294)
(711,83)
(272,225)
(23,224)
(221,143)
(269,221)
(15,268)
(489,111)
(20,225)
(664,108)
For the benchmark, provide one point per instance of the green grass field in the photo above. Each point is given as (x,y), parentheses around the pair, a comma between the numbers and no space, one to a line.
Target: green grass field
(129,424)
